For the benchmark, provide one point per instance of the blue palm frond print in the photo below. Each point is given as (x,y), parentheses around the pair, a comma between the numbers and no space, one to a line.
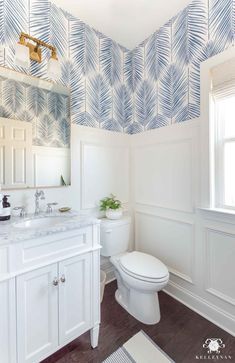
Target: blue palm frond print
(134,67)
(145,102)
(39,27)
(136,128)
(83,46)
(46,130)
(13,97)
(36,101)
(156,122)
(59,28)
(63,132)
(110,60)
(2,23)
(15,20)
(56,105)
(189,32)
(86,119)
(222,23)
(39,19)
(122,105)
(99,101)
(111,125)
(66,67)
(77,94)
(172,92)
(157,52)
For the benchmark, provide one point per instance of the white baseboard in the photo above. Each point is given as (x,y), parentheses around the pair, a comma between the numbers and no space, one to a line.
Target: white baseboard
(204,308)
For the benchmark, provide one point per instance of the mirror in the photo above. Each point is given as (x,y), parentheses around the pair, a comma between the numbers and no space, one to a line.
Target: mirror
(35,132)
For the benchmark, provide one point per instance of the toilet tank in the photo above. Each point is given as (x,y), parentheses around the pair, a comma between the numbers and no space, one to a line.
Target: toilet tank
(114,236)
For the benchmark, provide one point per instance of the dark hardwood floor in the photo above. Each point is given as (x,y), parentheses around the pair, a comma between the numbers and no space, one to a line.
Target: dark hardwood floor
(180,333)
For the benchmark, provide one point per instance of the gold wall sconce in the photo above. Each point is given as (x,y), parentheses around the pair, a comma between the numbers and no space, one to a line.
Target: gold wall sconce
(29,48)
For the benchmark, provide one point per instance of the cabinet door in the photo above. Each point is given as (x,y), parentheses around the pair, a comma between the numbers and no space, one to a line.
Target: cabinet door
(37,314)
(15,153)
(7,322)
(74,297)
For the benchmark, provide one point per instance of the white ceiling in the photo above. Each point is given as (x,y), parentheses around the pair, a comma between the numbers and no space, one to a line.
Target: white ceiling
(128,22)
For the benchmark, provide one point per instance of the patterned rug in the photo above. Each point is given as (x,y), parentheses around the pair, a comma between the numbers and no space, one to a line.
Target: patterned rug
(139,349)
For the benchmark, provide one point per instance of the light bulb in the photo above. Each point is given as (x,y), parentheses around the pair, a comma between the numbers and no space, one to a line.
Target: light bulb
(22,56)
(54,69)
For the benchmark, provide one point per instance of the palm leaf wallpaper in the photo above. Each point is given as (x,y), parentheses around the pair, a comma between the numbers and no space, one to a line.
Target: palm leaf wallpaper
(154,85)
(172,58)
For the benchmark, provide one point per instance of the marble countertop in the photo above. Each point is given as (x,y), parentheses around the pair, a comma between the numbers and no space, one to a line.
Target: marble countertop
(10,233)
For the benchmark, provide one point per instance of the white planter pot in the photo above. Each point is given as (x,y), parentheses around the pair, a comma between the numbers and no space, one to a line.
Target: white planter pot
(114,213)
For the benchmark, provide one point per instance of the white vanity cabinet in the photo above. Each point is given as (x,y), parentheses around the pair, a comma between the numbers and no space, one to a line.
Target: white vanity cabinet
(53,297)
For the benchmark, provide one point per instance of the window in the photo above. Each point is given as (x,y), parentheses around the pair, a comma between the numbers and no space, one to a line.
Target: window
(224,161)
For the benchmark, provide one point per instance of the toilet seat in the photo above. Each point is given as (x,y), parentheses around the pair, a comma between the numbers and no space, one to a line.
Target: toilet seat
(144,267)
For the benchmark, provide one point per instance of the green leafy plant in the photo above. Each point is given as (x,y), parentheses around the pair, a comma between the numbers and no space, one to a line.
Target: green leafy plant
(110,203)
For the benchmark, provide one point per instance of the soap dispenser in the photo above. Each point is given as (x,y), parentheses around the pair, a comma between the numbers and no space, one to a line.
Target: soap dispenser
(5,212)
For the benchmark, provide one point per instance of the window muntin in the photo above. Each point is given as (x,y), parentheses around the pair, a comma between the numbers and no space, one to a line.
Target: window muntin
(225,151)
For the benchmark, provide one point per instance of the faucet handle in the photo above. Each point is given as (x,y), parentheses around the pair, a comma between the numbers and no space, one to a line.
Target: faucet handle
(22,211)
(39,193)
(49,207)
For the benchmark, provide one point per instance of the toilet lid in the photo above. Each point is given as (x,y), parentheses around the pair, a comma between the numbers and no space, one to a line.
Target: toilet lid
(143,265)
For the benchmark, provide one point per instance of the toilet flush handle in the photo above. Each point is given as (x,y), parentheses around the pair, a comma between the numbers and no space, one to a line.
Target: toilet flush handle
(108,231)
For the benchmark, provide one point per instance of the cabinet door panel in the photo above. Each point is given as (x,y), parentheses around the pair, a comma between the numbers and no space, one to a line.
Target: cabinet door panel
(15,153)
(7,322)
(74,297)
(37,314)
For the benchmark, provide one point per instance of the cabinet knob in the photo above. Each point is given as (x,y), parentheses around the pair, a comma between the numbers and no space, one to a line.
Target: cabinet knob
(62,279)
(55,281)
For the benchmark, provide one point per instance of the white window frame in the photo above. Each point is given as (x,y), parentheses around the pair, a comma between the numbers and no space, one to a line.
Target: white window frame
(210,191)
(219,150)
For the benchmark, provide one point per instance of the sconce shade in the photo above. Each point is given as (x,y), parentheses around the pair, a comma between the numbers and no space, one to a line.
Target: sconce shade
(54,69)
(22,56)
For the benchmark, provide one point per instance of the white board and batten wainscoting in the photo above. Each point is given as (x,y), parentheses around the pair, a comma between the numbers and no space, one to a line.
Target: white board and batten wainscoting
(197,246)
(100,166)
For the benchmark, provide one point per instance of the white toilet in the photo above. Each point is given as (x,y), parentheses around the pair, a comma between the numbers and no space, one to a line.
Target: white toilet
(139,276)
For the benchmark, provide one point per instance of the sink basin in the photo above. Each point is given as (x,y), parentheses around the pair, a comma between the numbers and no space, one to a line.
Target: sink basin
(44,222)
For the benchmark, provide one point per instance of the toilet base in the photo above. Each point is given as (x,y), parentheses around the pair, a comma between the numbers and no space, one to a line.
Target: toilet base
(143,307)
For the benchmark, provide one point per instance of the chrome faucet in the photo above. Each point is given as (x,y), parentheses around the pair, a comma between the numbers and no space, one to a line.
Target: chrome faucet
(38,194)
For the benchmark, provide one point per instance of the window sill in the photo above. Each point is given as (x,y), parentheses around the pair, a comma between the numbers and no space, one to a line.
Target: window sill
(229,212)
(219,214)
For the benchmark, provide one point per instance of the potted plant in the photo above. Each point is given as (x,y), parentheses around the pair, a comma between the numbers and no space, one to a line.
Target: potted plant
(112,207)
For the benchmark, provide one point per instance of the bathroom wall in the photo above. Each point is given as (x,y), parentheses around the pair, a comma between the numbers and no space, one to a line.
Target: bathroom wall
(165,74)
(170,165)
(160,176)
(92,64)
(197,245)
(93,68)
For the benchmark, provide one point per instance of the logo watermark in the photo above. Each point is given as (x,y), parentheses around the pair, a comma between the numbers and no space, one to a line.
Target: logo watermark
(214,349)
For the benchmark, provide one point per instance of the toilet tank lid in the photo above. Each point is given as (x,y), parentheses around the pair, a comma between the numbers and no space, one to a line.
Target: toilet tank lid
(142,264)
(105,222)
